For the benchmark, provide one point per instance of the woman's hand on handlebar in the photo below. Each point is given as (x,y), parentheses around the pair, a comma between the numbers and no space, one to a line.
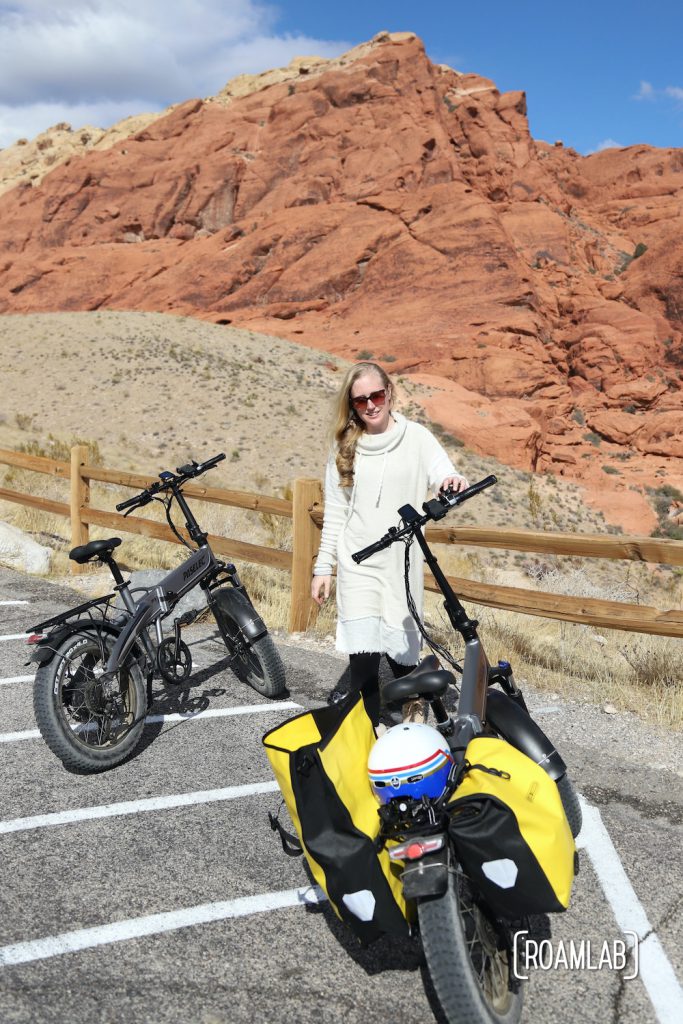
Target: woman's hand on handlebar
(320,588)
(455,483)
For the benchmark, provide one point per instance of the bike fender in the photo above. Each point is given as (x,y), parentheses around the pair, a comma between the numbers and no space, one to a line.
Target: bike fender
(427,876)
(235,604)
(519,729)
(45,649)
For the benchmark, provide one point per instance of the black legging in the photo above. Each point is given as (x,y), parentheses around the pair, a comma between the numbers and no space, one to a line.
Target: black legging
(364,676)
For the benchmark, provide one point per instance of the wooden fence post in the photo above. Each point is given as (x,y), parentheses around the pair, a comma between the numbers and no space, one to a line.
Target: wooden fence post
(303,611)
(80,496)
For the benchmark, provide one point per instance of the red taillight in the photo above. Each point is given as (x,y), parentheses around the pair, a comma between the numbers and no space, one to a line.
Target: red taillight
(35,638)
(414,849)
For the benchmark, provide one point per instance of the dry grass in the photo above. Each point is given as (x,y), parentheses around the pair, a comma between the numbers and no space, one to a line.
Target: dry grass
(634,672)
(149,391)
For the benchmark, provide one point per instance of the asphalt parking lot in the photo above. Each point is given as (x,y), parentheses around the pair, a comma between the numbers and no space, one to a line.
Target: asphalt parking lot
(156,892)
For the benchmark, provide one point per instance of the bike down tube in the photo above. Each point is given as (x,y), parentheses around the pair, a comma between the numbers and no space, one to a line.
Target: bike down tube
(476,667)
(181,579)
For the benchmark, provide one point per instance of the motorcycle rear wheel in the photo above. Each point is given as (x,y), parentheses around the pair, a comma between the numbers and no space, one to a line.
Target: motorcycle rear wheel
(468,961)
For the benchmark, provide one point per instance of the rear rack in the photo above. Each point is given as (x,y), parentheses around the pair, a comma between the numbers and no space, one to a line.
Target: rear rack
(65,616)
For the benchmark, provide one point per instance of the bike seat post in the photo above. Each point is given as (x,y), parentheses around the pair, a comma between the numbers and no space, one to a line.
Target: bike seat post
(112,565)
(440,713)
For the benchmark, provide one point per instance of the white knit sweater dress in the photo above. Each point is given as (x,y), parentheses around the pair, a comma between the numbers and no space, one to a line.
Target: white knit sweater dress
(391,469)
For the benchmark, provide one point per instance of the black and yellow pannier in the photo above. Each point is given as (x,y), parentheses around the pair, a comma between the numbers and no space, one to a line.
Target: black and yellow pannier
(510,832)
(507,823)
(320,762)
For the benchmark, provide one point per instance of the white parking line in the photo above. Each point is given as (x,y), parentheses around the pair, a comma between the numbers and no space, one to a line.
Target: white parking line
(656,972)
(16,679)
(155,924)
(15,636)
(17,737)
(157,803)
(13,602)
(245,709)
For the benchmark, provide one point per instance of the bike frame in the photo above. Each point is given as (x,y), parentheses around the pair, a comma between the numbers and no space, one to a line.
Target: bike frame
(200,569)
(159,602)
(478,704)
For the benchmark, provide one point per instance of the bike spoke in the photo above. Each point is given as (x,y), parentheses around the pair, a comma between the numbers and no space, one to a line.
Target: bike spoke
(96,720)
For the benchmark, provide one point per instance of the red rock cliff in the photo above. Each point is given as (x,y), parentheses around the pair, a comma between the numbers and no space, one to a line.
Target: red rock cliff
(380,203)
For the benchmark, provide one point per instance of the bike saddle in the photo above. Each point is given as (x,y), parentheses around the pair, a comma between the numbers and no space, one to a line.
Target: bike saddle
(85,552)
(426,680)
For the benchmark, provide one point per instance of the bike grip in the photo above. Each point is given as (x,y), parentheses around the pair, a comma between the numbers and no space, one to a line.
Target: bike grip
(371,549)
(481,485)
(127,504)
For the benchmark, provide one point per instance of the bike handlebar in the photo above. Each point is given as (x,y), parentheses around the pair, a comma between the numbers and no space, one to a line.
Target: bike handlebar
(434,510)
(130,503)
(169,480)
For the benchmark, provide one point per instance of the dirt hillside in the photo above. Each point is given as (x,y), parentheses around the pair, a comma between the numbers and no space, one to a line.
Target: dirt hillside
(152,390)
(382,205)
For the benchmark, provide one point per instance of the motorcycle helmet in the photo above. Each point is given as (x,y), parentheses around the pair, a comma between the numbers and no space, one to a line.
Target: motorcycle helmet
(410,760)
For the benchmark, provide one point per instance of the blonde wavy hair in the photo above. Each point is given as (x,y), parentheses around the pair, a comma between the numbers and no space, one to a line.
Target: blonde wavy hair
(347,426)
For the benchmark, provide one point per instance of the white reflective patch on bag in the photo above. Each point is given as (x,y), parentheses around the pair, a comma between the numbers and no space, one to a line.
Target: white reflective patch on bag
(361,904)
(502,872)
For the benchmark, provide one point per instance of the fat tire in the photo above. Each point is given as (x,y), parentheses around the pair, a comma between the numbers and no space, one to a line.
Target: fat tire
(457,987)
(261,667)
(270,680)
(61,740)
(570,802)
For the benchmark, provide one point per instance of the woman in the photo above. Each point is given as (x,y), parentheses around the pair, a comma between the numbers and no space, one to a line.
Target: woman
(379,461)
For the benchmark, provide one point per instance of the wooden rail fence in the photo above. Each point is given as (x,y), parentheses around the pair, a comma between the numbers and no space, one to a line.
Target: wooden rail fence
(306,512)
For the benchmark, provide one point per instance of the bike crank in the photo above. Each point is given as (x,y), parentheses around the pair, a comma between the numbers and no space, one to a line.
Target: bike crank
(174,660)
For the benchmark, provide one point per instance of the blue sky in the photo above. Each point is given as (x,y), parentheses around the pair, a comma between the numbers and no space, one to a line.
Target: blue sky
(595,73)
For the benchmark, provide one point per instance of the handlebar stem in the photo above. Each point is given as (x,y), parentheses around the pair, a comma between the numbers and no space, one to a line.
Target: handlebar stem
(193,528)
(460,620)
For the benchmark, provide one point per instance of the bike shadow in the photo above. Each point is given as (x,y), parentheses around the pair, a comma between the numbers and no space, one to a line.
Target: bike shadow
(388,953)
(186,699)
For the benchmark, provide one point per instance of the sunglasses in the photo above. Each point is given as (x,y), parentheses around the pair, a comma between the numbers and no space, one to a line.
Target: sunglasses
(378,398)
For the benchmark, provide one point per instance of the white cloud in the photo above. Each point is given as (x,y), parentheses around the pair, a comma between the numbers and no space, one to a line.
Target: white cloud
(74,59)
(27,122)
(646,92)
(607,144)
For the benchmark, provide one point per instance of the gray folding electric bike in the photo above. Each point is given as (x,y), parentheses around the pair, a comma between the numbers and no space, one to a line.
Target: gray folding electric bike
(96,663)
